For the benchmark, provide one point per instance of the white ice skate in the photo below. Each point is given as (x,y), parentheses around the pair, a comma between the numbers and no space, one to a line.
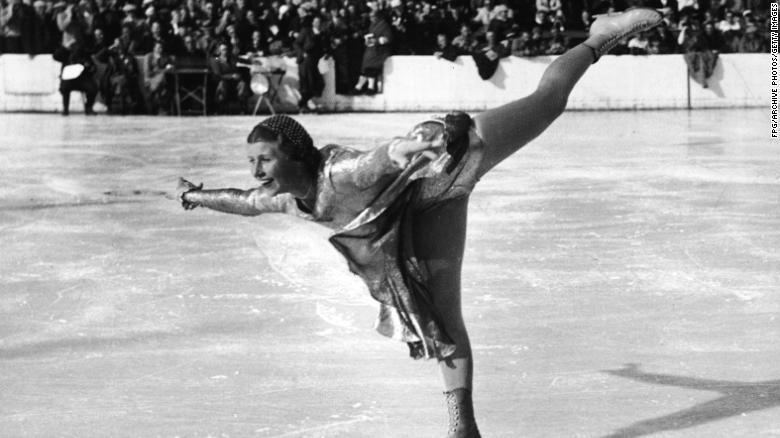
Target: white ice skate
(608,29)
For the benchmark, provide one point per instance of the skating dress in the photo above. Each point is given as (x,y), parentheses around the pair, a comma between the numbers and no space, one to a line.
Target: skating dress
(370,202)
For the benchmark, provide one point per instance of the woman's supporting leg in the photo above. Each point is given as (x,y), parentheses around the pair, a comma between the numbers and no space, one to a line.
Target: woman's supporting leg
(507,128)
(440,237)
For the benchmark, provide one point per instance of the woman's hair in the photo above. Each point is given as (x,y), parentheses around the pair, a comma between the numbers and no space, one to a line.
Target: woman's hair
(293,140)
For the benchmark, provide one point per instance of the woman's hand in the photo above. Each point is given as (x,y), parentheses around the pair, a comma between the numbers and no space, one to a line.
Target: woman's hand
(182,189)
(401,150)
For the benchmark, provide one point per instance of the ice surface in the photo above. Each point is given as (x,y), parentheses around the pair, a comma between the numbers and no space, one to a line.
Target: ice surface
(636,237)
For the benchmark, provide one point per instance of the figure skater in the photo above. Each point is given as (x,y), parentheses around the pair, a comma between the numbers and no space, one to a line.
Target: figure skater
(399,211)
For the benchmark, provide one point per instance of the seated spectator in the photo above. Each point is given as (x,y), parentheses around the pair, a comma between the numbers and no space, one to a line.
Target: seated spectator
(157,65)
(231,84)
(445,50)
(465,40)
(639,44)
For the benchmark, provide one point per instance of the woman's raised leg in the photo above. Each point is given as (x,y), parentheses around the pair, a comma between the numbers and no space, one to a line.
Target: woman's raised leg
(507,128)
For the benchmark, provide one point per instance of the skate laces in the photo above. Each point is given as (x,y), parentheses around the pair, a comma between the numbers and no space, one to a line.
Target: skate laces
(452,405)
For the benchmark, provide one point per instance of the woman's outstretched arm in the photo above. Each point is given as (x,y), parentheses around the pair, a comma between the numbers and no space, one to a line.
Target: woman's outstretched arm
(235,201)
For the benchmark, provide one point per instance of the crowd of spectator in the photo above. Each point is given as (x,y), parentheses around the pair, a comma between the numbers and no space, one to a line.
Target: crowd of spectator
(358,35)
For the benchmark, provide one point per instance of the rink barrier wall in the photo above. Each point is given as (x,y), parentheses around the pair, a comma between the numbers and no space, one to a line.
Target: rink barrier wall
(424,83)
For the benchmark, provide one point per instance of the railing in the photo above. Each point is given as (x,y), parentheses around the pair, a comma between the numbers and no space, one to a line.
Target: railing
(424,83)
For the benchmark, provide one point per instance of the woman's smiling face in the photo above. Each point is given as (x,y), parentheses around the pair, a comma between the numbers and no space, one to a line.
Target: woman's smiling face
(273,169)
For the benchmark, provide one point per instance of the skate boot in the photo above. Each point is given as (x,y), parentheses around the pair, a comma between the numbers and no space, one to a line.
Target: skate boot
(462,422)
(608,29)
